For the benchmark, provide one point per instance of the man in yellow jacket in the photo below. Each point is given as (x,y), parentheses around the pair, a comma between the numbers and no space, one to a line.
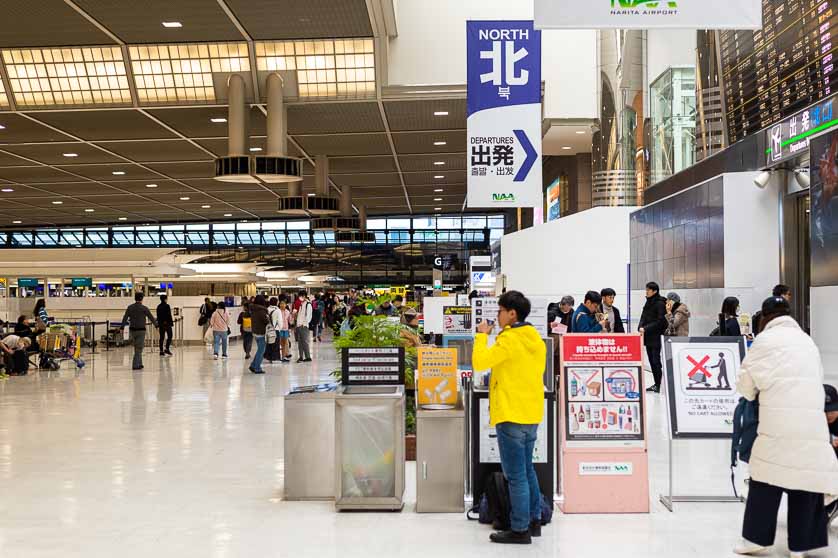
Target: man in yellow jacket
(516,408)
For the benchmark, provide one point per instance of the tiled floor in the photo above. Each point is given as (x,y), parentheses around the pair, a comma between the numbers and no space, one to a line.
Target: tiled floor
(185,460)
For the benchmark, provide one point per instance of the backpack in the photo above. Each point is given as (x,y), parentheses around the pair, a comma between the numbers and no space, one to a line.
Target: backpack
(270,330)
(494,507)
(315,318)
(745,425)
(19,362)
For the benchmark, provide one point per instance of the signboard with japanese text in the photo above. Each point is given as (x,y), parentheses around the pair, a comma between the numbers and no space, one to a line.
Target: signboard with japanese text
(791,137)
(701,385)
(603,389)
(504,114)
(438,380)
(372,365)
(648,14)
(456,320)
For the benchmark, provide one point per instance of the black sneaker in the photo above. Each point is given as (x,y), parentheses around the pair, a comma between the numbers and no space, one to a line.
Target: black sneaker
(511,537)
(535,529)
(654,389)
(307,360)
(301,360)
(168,352)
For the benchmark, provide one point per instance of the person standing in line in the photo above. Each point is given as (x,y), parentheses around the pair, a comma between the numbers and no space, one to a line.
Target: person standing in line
(516,408)
(653,325)
(585,317)
(729,318)
(284,331)
(220,324)
(677,317)
(612,313)
(792,452)
(272,352)
(205,313)
(166,322)
(135,316)
(246,326)
(565,313)
(304,315)
(259,323)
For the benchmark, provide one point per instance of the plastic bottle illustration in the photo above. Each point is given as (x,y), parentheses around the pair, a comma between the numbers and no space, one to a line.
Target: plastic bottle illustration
(588,412)
(574,424)
(574,387)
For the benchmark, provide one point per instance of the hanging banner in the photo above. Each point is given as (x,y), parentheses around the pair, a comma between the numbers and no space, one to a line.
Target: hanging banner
(504,114)
(701,385)
(648,14)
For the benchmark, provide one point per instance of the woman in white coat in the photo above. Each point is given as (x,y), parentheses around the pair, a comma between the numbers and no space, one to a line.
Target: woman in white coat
(792,452)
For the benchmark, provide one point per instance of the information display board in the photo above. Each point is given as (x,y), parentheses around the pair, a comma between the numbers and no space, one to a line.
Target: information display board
(777,71)
(489,452)
(701,385)
(603,385)
(437,382)
(372,366)
(456,320)
(484,309)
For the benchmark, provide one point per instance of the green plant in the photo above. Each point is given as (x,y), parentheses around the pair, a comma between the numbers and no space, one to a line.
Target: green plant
(410,415)
(376,331)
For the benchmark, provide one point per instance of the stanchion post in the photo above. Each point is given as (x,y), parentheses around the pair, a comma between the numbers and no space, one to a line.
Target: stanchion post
(107,335)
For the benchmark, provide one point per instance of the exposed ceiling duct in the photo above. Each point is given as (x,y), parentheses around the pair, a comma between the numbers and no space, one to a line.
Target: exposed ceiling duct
(360,236)
(346,221)
(238,166)
(319,204)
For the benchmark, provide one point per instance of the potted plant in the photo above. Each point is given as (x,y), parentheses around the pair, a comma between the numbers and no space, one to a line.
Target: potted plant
(375,331)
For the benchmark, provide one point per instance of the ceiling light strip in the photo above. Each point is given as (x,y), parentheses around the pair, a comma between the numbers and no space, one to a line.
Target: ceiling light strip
(251,50)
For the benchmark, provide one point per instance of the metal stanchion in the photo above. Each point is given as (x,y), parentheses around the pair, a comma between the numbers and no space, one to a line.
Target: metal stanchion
(107,335)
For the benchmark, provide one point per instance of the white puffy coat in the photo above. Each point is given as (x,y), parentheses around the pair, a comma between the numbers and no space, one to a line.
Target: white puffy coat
(792,449)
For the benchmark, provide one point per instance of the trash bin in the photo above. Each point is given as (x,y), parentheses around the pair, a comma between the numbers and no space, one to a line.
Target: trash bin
(369,447)
(310,443)
(440,460)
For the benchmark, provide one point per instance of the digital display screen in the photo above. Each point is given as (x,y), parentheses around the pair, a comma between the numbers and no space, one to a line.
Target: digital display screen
(781,69)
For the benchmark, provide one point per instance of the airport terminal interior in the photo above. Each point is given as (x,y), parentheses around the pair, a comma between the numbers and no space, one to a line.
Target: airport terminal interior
(253,252)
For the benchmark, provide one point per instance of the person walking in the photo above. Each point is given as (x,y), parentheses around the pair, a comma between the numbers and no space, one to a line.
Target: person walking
(135,316)
(272,350)
(653,325)
(166,322)
(612,313)
(302,332)
(677,316)
(220,324)
(259,323)
(246,328)
(516,408)
(792,452)
(284,331)
(205,313)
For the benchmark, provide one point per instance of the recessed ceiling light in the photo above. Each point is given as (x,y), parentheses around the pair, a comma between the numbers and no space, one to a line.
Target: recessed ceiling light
(228,214)
(312,195)
(172,24)
(205,206)
(437,209)
(439,190)
(118,173)
(439,176)
(437,199)
(7,190)
(440,143)
(566,148)
(441,113)
(123,218)
(439,163)
(184,198)
(218,120)
(57,202)
(255,149)
(2,127)
(151,185)
(89,210)
(580,132)
(16,222)
(70,154)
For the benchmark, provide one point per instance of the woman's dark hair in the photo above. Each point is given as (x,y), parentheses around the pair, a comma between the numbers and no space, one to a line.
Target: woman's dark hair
(38,305)
(221,306)
(260,300)
(273,301)
(21,319)
(514,300)
(730,307)
(781,290)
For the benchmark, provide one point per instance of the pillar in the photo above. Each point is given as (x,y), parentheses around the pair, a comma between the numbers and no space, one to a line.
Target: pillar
(237,117)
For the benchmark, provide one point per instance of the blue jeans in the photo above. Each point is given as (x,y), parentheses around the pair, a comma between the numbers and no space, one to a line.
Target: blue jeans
(256,363)
(219,338)
(516,443)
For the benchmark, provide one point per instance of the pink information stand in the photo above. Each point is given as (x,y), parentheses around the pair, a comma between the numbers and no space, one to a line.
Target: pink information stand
(602,424)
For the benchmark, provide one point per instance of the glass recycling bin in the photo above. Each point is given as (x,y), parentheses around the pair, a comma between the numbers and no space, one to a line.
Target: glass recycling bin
(369,430)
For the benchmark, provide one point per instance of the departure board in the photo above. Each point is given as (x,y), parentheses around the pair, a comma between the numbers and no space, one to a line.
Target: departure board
(781,69)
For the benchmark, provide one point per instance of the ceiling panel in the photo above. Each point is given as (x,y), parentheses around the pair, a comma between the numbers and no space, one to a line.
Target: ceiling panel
(210,185)
(348,165)
(19,129)
(194,122)
(78,189)
(113,199)
(293,19)
(346,144)
(330,118)
(360,180)
(53,153)
(105,172)
(141,22)
(35,175)
(46,23)
(8,159)
(99,125)
(423,142)
(429,162)
(253,196)
(185,170)
(157,151)
(458,189)
(139,186)
(448,177)
(419,115)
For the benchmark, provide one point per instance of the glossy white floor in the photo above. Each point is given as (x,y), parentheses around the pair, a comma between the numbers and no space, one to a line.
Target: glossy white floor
(185,459)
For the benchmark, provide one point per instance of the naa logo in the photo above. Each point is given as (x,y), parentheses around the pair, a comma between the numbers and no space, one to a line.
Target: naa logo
(644,7)
(503,197)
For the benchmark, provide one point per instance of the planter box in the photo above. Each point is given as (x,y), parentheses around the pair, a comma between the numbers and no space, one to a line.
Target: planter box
(410,447)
